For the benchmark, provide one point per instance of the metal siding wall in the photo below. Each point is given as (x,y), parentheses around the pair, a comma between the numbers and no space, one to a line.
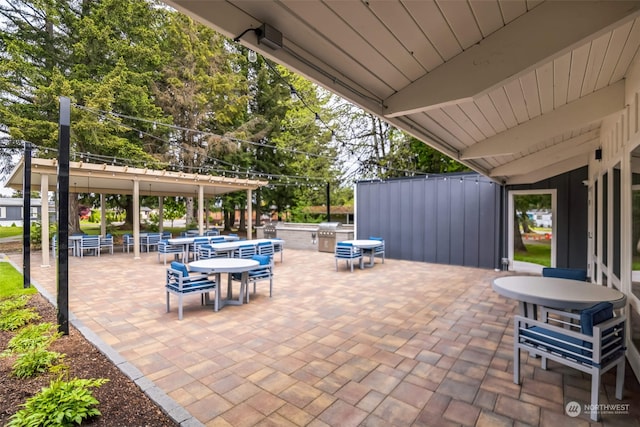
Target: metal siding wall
(430,221)
(417,223)
(435,220)
(489,224)
(443,221)
(457,232)
(471,223)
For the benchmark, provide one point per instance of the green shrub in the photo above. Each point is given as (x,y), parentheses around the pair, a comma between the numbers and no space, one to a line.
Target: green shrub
(17,318)
(63,403)
(34,362)
(13,303)
(31,337)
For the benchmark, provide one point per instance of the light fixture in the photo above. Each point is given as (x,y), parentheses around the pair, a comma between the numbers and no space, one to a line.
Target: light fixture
(266,34)
(252,56)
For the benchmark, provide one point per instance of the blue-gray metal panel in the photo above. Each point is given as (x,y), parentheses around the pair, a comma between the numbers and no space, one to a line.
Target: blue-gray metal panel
(430,221)
(443,220)
(471,223)
(417,219)
(457,231)
(489,224)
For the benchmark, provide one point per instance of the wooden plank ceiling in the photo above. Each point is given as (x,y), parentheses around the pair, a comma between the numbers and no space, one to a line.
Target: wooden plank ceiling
(515,89)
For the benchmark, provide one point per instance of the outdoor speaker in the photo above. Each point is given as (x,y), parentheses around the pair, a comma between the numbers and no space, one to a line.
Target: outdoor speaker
(598,153)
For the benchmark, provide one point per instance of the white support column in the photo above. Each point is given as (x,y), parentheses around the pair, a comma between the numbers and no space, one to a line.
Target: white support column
(160,213)
(136,219)
(200,209)
(250,215)
(103,216)
(44,214)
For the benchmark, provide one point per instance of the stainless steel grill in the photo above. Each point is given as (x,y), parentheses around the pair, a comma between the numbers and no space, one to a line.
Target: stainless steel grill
(327,236)
(269,231)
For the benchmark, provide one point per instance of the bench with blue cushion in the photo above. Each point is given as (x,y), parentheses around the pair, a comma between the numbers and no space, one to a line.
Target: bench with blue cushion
(180,282)
(565,273)
(592,341)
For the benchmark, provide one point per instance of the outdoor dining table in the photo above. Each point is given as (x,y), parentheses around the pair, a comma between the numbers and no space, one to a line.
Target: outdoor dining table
(552,292)
(185,242)
(229,247)
(74,244)
(217,266)
(366,245)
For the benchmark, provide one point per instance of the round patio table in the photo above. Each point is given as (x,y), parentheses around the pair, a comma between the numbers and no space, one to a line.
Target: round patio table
(218,266)
(557,293)
(366,245)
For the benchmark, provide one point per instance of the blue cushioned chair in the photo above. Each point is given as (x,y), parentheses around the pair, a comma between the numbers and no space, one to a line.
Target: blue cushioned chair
(180,282)
(592,341)
(208,252)
(261,273)
(349,253)
(90,244)
(165,248)
(106,243)
(127,242)
(565,273)
(245,251)
(278,247)
(379,250)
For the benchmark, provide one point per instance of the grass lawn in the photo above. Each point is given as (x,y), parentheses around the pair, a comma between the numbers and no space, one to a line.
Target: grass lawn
(537,253)
(10,231)
(11,282)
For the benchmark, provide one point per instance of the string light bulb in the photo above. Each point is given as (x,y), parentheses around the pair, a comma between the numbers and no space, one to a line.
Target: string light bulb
(252,56)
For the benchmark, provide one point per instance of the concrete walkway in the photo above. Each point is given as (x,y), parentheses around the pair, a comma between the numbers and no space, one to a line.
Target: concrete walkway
(401,344)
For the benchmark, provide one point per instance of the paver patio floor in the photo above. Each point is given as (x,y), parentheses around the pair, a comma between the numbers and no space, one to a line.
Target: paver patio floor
(401,344)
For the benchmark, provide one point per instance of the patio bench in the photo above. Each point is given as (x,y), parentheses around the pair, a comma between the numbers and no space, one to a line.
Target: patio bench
(597,346)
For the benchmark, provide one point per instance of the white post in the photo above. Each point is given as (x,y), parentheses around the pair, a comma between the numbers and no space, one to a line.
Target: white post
(250,215)
(200,209)
(136,219)
(103,216)
(44,214)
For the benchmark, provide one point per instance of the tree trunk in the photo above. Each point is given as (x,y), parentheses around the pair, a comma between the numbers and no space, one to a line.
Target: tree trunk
(226,215)
(190,219)
(74,215)
(258,209)
(243,220)
(518,243)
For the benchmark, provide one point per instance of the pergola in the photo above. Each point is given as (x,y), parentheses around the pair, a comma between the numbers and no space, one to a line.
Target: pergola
(110,179)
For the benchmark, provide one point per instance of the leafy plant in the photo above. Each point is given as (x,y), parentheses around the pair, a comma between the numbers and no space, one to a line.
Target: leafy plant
(17,318)
(63,403)
(34,362)
(31,337)
(10,304)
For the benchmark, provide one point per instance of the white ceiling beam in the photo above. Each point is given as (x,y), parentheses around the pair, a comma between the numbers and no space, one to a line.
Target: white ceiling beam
(590,109)
(580,144)
(550,171)
(544,33)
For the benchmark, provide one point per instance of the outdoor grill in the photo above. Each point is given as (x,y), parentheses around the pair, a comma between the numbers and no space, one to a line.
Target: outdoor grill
(269,230)
(327,236)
